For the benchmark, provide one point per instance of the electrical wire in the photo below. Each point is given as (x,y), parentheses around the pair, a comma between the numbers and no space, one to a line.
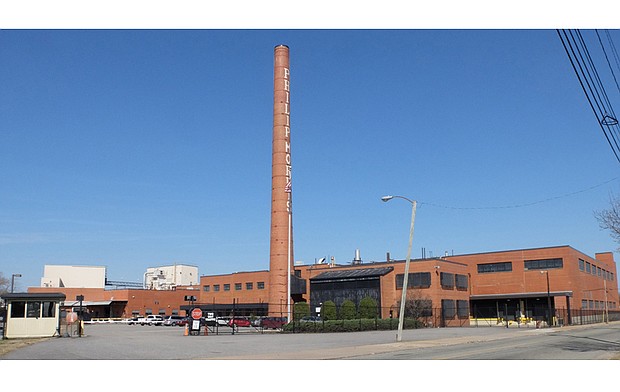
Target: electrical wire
(607,58)
(613,49)
(584,68)
(520,205)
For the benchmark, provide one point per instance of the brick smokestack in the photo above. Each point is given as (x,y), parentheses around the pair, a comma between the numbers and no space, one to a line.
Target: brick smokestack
(281,245)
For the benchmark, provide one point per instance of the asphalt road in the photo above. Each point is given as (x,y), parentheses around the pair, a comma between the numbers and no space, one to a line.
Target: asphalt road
(123,342)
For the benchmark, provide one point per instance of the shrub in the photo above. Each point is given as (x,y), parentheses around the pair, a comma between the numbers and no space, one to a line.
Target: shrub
(301,309)
(328,311)
(350,325)
(368,308)
(347,310)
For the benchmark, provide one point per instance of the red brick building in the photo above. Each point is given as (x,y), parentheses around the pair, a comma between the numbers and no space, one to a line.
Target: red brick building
(527,282)
(504,285)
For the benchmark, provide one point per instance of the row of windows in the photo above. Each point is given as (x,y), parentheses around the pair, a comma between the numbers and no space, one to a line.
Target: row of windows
(451,308)
(238,286)
(543,264)
(33,309)
(422,280)
(594,304)
(494,267)
(595,270)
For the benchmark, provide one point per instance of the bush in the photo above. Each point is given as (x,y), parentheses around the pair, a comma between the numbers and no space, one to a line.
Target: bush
(301,309)
(328,311)
(347,310)
(350,325)
(368,308)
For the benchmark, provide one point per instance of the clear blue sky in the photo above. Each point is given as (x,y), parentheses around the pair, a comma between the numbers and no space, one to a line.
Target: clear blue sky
(132,149)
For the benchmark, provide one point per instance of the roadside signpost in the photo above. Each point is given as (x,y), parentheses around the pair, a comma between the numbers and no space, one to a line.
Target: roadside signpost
(195,325)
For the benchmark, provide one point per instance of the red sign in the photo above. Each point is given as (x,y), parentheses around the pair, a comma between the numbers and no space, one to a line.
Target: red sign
(196,313)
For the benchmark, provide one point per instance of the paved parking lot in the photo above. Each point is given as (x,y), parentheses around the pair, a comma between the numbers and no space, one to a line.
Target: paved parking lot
(118,342)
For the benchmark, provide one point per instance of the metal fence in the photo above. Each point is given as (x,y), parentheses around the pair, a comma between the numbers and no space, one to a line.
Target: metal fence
(306,322)
(560,317)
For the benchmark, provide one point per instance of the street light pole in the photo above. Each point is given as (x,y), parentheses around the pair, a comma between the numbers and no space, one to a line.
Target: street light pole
(549,318)
(606,308)
(403,298)
(13,280)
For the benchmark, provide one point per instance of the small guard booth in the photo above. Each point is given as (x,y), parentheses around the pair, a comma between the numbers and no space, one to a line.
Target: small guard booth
(32,315)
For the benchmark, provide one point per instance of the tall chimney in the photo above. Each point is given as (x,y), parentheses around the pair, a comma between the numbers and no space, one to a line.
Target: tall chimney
(281,245)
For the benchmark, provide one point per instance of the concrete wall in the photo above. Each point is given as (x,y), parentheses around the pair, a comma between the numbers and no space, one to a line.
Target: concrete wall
(73,276)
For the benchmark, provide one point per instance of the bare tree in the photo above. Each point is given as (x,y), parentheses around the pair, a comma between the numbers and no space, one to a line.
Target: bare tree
(609,219)
(5,284)
(417,305)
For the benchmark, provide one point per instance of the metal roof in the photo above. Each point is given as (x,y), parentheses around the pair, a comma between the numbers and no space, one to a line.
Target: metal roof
(353,274)
(33,296)
(88,303)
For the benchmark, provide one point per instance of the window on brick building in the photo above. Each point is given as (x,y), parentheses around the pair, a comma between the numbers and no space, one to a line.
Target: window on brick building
(226,286)
(461,282)
(417,280)
(588,267)
(448,309)
(582,265)
(447,280)
(206,288)
(584,304)
(494,267)
(543,264)
(260,285)
(237,286)
(249,286)
(216,287)
(462,308)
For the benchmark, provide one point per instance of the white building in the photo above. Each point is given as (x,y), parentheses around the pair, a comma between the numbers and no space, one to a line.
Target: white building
(170,276)
(73,276)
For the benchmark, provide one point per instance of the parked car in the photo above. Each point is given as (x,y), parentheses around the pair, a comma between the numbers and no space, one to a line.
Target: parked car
(173,320)
(151,319)
(272,322)
(239,322)
(310,319)
(133,320)
(223,321)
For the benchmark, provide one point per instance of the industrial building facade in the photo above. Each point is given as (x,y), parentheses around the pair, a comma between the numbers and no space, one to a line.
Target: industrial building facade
(509,285)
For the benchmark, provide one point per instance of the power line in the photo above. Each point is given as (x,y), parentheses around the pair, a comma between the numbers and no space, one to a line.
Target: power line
(585,69)
(607,58)
(613,49)
(522,204)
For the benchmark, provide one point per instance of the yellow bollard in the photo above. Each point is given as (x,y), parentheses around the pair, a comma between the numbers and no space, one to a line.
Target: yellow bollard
(186,333)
